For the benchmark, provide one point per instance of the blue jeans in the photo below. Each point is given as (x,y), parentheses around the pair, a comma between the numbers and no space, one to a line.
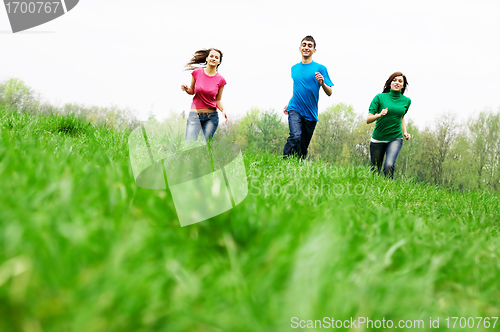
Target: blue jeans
(206,122)
(391,151)
(301,132)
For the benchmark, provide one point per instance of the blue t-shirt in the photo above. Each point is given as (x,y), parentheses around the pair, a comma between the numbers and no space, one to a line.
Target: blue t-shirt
(306,89)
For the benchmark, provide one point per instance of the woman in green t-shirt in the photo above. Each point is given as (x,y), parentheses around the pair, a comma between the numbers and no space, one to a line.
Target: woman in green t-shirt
(388,109)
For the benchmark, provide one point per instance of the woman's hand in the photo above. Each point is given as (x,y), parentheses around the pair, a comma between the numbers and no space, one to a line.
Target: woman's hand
(189,89)
(225,115)
(374,117)
(407,136)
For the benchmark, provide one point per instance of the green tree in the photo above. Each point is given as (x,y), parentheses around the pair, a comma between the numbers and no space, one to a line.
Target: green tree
(260,131)
(457,167)
(361,143)
(405,163)
(423,165)
(18,97)
(446,133)
(335,129)
(485,131)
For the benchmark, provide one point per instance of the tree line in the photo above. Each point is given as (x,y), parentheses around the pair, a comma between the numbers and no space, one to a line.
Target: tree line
(461,156)
(16,96)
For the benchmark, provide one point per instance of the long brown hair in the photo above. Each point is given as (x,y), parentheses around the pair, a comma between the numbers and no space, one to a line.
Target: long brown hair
(387,85)
(200,58)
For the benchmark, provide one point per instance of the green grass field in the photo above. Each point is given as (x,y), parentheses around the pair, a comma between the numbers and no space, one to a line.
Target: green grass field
(82,248)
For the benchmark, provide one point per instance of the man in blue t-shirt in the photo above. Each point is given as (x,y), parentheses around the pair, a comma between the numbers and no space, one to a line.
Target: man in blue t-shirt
(308,76)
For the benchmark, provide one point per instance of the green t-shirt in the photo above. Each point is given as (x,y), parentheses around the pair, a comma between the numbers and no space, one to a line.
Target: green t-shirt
(388,127)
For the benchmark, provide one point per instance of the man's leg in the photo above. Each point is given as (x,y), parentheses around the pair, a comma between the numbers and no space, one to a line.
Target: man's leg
(307,133)
(292,145)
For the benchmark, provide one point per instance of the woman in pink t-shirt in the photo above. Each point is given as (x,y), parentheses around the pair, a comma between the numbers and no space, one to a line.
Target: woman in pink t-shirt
(206,86)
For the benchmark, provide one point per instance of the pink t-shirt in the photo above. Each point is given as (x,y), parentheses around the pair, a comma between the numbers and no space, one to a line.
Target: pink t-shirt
(206,89)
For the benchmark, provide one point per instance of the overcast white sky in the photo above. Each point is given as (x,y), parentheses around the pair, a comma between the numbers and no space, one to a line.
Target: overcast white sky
(132,53)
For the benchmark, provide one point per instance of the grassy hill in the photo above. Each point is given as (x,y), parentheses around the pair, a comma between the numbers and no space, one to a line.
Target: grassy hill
(82,248)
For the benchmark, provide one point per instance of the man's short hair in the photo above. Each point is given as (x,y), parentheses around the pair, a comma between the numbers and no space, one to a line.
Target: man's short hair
(309,38)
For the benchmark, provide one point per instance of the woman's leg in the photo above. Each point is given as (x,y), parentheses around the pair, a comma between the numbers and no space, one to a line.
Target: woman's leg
(193,126)
(392,152)
(377,151)
(209,124)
